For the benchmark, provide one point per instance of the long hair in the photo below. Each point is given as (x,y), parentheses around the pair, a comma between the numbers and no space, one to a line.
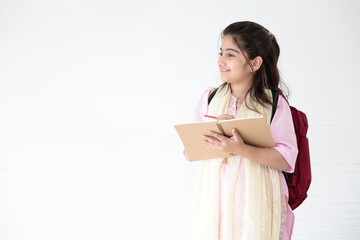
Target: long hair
(255,40)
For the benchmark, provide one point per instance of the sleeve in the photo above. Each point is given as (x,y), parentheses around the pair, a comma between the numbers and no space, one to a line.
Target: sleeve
(283,133)
(201,107)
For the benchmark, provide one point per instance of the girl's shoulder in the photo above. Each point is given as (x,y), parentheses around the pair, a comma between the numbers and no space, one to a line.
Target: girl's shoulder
(282,101)
(283,111)
(212,89)
(207,92)
(202,105)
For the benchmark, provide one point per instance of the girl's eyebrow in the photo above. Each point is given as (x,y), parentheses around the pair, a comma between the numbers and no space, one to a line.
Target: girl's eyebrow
(230,49)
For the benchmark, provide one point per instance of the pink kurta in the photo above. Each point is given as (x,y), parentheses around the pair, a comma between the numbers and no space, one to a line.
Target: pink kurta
(282,131)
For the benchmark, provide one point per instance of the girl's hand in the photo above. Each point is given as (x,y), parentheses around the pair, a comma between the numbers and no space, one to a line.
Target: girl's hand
(226,144)
(224,117)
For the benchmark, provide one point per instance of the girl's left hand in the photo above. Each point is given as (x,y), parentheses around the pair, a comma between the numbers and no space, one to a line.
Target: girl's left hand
(223,143)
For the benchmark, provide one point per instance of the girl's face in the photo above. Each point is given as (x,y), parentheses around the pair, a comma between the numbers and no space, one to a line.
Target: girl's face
(232,64)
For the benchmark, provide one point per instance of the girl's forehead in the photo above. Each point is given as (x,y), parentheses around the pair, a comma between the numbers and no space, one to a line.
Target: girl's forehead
(228,42)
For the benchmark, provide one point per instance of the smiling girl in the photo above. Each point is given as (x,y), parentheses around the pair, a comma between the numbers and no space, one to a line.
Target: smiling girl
(245,196)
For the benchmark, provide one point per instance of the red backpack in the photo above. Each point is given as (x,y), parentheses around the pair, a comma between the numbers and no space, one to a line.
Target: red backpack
(299,181)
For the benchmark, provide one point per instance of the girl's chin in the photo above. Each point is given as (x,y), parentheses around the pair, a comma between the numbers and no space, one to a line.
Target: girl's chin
(225,80)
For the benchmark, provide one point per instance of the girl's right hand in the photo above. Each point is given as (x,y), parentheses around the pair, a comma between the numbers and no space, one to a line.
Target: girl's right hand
(225,117)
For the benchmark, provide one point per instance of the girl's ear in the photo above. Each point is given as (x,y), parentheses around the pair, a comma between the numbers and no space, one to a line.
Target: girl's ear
(256,63)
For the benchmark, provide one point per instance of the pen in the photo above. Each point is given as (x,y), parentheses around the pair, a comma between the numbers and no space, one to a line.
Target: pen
(208,116)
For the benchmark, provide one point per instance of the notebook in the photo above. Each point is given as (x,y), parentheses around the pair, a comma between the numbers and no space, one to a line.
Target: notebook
(254,131)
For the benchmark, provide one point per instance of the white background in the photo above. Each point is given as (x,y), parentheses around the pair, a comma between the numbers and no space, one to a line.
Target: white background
(90,91)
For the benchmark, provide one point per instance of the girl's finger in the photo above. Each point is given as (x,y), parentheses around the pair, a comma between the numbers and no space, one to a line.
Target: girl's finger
(218,136)
(225,117)
(209,139)
(210,145)
(236,134)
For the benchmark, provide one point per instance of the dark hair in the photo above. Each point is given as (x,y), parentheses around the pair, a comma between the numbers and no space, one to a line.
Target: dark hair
(255,40)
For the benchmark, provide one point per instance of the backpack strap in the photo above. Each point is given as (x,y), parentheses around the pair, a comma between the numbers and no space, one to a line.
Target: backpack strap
(275,95)
(212,95)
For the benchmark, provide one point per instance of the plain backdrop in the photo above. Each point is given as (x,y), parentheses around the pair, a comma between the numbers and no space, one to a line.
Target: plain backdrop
(90,91)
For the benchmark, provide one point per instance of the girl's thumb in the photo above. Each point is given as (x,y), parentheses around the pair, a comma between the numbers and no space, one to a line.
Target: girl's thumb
(236,133)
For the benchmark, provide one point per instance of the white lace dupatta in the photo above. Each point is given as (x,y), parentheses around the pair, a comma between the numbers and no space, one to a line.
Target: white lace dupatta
(253,202)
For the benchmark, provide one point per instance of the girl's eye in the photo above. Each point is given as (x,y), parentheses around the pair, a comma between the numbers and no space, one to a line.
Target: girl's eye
(229,55)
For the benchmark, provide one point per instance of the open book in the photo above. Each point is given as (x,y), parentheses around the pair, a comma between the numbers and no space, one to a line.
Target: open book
(254,131)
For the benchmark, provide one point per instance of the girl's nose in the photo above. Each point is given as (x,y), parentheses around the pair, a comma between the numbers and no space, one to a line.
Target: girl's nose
(221,63)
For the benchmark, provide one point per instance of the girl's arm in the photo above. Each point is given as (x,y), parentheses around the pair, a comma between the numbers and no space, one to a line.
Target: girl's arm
(265,156)
(235,144)
(283,133)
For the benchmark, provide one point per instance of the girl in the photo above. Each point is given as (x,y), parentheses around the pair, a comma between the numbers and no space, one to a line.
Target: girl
(245,196)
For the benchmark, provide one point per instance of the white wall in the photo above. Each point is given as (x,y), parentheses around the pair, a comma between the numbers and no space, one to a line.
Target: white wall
(90,91)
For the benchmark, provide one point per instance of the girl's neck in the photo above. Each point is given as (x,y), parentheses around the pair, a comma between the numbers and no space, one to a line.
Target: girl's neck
(239,91)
